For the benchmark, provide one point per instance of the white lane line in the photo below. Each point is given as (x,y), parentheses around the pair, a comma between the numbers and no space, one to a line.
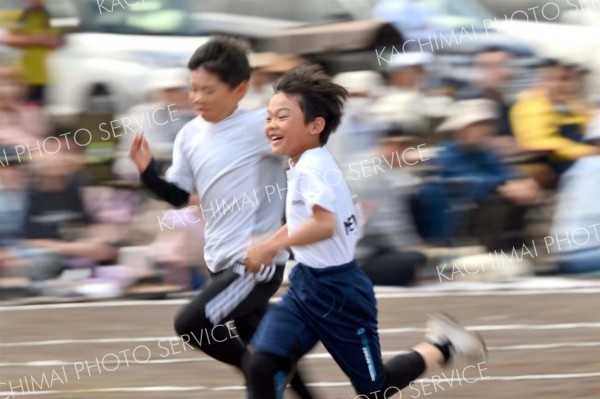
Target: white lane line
(501,327)
(312,356)
(84,341)
(383,331)
(379,295)
(330,384)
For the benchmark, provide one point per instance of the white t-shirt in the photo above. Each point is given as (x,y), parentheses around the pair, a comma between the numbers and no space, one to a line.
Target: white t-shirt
(317,180)
(240,182)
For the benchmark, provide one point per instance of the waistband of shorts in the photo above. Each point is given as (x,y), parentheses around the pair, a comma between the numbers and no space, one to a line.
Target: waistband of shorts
(330,269)
(238,267)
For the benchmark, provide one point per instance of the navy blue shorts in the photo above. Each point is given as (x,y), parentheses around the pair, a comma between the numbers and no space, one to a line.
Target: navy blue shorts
(336,306)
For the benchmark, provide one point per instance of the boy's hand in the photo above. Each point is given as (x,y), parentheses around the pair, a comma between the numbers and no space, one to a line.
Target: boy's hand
(260,254)
(140,153)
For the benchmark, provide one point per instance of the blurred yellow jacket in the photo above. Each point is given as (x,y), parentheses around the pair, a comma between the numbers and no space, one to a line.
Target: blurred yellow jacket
(33,59)
(537,125)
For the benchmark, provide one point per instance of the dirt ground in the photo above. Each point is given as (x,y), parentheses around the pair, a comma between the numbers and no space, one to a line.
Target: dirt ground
(542,345)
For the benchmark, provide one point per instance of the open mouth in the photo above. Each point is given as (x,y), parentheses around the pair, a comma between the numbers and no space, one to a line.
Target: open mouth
(276,138)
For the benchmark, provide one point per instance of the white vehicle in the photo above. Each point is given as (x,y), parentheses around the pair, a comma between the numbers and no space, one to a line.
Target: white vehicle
(107,60)
(566,30)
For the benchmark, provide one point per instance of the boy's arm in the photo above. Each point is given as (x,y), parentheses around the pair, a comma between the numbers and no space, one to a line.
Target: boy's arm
(319,227)
(168,192)
(142,157)
(280,234)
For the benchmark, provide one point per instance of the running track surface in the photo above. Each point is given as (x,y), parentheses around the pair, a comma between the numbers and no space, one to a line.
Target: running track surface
(543,344)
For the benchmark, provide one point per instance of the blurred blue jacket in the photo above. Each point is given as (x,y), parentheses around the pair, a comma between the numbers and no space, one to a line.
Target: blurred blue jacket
(472,174)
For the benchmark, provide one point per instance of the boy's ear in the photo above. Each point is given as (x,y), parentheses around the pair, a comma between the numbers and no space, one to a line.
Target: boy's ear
(242,88)
(318,125)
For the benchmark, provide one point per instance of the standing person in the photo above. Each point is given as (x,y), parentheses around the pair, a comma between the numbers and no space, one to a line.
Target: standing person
(223,156)
(330,298)
(36,39)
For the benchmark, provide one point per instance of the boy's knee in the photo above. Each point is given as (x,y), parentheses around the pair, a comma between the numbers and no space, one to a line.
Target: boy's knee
(262,369)
(185,324)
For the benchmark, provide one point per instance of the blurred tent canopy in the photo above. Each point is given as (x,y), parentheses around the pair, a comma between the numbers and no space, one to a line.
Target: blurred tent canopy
(336,37)
(339,46)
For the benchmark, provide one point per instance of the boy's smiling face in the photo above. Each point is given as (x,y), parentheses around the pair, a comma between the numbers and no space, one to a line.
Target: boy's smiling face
(286,128)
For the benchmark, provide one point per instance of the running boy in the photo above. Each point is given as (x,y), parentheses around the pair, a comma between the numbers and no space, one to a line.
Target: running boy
(330,299)
(224,156)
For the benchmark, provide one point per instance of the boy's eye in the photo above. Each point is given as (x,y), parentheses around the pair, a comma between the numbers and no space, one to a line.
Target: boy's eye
(282,117)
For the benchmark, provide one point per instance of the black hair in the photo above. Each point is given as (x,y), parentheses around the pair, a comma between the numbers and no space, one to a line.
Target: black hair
(546,63)
(225,57)
(496,48)
(317,95)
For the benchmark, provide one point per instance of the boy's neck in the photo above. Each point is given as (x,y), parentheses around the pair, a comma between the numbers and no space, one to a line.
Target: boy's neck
(228,115)
(296,158)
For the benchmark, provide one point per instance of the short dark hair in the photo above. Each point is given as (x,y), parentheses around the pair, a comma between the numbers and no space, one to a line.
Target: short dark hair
(225,57)
(317,95)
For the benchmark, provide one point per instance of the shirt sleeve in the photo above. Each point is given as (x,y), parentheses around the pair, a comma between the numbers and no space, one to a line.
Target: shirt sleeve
(165,190)
(315,190)
(180,172)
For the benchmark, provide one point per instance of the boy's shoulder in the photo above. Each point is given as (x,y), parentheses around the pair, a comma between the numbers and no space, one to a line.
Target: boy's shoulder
(252,118)
(256,114)
(195,125)
(251,121)
(316,159)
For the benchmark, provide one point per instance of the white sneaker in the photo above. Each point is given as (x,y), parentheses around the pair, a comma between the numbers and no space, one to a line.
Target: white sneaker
(465,346)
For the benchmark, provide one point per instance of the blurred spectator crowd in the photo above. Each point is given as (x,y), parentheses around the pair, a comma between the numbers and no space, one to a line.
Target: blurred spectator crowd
(468,169)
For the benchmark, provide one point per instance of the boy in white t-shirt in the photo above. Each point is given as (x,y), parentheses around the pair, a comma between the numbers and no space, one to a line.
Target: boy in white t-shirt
(330,298)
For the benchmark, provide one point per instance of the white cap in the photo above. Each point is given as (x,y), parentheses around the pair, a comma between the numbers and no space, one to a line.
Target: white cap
(467,112)
(360,82)
(167,78)
(405,60)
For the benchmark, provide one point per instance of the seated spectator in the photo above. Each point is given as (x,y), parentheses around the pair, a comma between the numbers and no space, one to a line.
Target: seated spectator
(17,260)
(404,104)
(472,173)
(382,194)
(545,119)
(577,215)
(389,249)
(55,218)
(358,133)
(493,79)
